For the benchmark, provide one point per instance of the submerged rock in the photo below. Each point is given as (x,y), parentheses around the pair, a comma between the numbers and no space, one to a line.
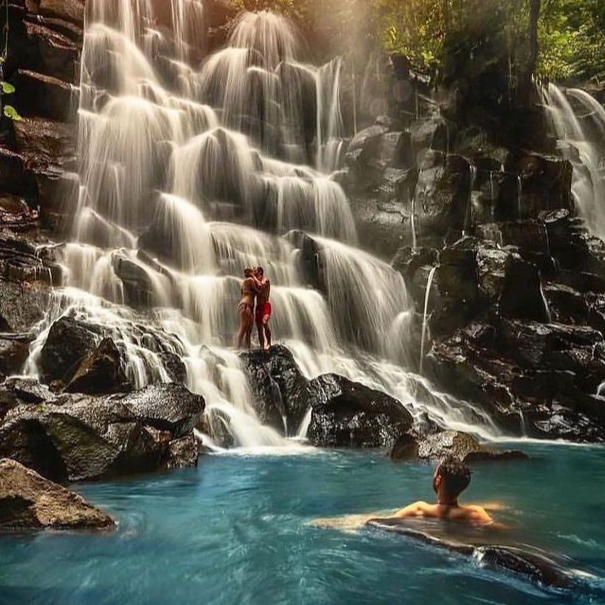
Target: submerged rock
(79,437)
(349,414)
(449,443)
(28,501)
(534,567)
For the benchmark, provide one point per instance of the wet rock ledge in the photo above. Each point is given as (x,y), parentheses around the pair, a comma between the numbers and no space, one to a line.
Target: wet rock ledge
(77,437)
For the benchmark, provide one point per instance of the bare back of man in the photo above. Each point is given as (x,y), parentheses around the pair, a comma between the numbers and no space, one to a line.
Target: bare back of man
(472,514)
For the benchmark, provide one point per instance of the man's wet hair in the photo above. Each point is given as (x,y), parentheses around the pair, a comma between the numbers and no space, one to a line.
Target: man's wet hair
(454,474)
(248,271)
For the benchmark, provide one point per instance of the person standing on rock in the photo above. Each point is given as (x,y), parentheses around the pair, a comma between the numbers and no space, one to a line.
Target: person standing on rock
(245,308)
(263,309)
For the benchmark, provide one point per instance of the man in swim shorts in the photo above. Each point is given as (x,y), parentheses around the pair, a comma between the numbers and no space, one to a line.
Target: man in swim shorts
(263,309)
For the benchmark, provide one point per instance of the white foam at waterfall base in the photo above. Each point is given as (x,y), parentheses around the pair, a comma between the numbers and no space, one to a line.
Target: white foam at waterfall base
(166,157)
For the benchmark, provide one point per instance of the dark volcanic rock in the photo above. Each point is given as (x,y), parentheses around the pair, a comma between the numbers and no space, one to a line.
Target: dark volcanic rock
(75,438)
(522,294)
(13,354)
(279,387)
(21,306)
(67,345)
(183,453)
(167,407)
(442,196)
(532,377)
(22,391)
(545,182)
(349,414)
(28,501)
(449,443)
(46,145)
(38,95)
(101,371)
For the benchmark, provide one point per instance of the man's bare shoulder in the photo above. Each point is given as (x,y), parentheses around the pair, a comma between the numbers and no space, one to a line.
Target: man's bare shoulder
(416,509)
(476,514)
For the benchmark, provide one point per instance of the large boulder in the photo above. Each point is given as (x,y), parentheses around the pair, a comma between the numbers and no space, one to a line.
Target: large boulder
(28,501)
(75,438)
(13,354)
(349,414)
(101,371)
(281,391)
(22,306)
(68,343)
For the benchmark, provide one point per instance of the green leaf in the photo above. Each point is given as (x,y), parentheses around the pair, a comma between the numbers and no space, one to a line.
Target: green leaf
(7,89)
(11,112)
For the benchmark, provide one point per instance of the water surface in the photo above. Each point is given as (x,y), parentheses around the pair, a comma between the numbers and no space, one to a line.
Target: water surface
(236,530)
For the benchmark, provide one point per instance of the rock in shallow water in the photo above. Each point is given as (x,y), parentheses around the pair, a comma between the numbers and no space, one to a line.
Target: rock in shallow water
(28,501)
(349,414)
(449,443)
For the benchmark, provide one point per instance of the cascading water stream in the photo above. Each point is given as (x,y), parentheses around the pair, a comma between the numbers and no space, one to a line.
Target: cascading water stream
(188,177)
(578,122)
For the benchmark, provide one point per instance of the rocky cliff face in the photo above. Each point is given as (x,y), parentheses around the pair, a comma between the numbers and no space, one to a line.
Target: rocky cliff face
(516,303)
(482,226)
(37,153)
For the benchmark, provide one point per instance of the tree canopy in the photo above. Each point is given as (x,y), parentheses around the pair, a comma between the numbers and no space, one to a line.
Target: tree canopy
(568,35)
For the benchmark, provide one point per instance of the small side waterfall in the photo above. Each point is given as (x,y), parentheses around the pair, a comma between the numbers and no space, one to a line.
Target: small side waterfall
(189,174)
(578,122)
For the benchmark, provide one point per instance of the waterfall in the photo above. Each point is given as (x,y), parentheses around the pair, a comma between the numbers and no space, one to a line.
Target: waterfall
(425,314)
(191,172)
(578,122)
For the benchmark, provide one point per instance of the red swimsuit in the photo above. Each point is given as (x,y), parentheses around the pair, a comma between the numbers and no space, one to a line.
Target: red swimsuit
(263,310)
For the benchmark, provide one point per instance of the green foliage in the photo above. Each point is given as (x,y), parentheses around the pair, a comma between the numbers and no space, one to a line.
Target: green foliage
(11,112)
(7,89)
(572,39)
(571,33)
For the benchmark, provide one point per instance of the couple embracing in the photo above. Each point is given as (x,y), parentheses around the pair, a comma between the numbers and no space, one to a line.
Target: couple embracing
(256,290)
